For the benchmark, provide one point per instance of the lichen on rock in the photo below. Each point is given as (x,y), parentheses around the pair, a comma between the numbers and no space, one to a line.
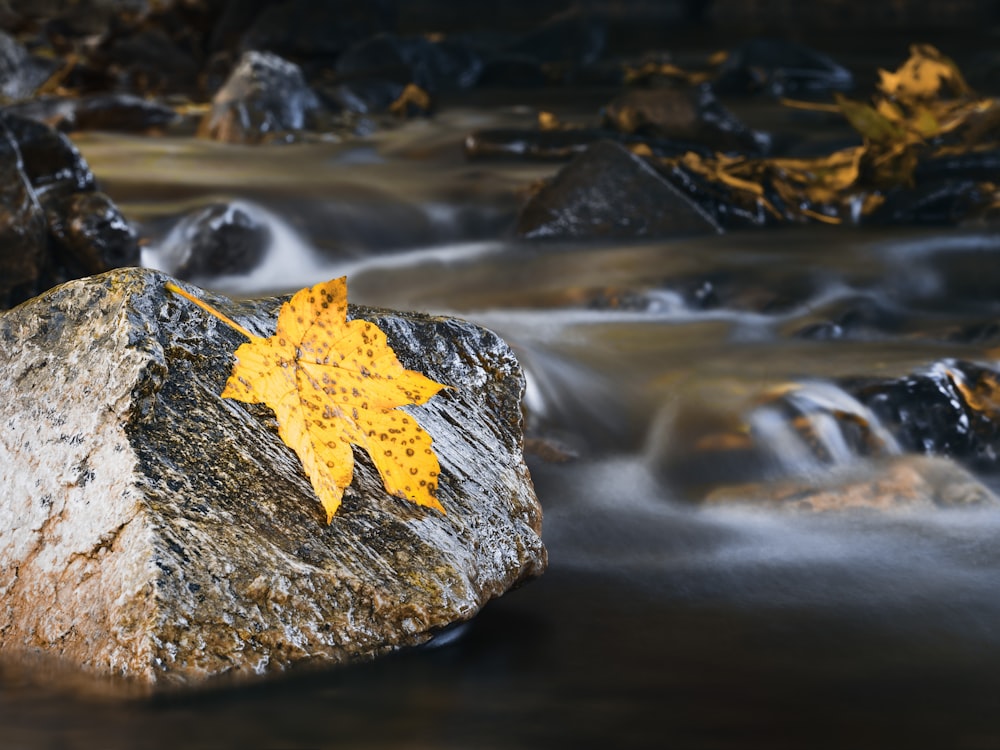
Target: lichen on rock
(150,528)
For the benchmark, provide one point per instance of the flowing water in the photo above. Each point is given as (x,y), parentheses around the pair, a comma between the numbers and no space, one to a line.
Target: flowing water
(663,621)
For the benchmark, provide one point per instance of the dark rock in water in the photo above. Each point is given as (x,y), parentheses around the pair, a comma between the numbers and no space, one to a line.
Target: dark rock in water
(731,209)
(51,163)
(952,408)
(780,68)
(690,114)
(265,96)
(904,482)
(225,238)
(112,112)
(54,225)
(609,192)
(151,529)
(944,203)
(315,29)
(91,233)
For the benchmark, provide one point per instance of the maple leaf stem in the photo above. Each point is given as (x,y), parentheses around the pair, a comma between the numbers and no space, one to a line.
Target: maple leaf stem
(172,287)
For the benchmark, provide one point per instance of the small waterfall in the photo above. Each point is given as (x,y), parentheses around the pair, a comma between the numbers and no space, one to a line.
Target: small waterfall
(815,426)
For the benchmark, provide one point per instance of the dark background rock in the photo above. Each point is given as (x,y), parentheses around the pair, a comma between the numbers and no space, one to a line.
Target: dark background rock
(609,192)
(91,234)
(778,67)
(176,538)
(54,224)
(21,73)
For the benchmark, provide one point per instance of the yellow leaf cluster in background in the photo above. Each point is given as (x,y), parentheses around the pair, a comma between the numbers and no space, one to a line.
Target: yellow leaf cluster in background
(334,383)
(924,109)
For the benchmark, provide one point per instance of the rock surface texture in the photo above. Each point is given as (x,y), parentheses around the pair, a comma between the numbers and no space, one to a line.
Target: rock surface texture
(150,528)
(607,191)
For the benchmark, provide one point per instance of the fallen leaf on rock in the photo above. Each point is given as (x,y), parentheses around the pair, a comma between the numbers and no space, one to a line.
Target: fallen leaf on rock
(334,383)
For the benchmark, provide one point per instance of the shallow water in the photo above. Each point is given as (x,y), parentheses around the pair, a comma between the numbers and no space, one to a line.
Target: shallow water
(661,622)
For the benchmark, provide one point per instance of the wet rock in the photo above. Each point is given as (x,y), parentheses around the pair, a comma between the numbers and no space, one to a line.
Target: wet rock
(730,208)
(951,408)
(689,114)
(224,238)
(20,73)
(111,112)
(904,482)
(51,163)
(53,224)
(780,68)
(265,96)
(609,192)
(23,231)
(151,529)
(91,234)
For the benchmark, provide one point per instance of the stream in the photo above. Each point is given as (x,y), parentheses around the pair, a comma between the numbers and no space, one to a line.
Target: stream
(663,620)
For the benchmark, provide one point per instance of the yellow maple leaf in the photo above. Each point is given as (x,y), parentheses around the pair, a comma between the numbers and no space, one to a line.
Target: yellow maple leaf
(334,383)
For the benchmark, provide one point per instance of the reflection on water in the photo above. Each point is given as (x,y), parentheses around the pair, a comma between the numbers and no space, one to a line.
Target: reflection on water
(663,365)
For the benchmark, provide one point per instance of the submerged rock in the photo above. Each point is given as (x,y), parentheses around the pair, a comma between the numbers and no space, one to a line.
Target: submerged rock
(266,96)
(152,529)
(904,482)
(609,192)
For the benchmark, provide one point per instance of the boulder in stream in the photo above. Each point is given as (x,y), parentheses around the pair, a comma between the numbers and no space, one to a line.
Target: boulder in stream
(902,482)
(265,96)
(607,191)
(219,239)
(152,529)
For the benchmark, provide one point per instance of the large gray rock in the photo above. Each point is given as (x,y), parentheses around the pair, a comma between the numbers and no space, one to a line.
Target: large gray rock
(152,529)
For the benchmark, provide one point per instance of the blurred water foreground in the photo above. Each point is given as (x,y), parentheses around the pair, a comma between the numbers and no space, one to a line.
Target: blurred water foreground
(767,456)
